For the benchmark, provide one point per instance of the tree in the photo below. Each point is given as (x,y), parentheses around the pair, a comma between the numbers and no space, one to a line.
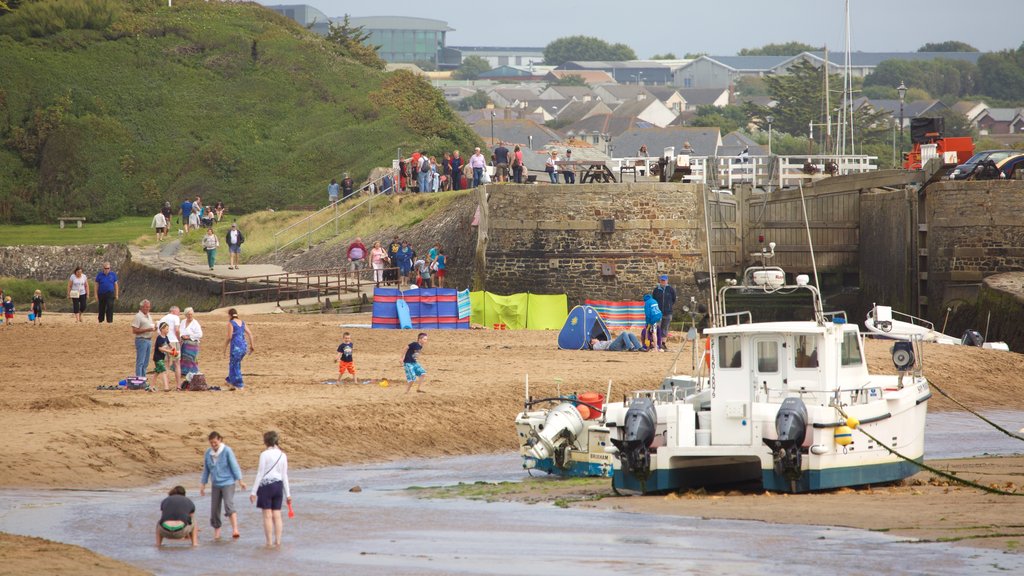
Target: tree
(665,56)
(352,41)
(947,46)
(727,118)
(471,68)
(800,96)
(940,78)
(787,49)
(585,48)
(569,80)
(476,101)
(1001,74)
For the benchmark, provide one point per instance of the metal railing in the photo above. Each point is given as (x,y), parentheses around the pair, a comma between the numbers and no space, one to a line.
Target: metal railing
(760,171)
(317,222)
(320,283)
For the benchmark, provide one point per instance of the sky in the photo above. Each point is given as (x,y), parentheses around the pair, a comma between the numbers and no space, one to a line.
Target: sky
(716,27)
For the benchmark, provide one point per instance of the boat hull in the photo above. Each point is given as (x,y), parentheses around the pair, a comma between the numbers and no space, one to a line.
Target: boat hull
(830,478)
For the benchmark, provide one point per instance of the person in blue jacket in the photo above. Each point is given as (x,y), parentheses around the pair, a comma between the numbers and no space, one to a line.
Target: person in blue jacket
(404,259)
(652,318)
(220,467)
(665,296)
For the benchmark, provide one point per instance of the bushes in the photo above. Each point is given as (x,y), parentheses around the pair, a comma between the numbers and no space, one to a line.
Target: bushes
(41,19)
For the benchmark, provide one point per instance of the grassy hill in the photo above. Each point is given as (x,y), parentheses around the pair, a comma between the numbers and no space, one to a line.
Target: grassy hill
(111,111)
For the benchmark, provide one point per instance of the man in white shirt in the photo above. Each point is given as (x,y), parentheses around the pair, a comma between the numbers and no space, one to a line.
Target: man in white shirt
(160,224)
(173,319)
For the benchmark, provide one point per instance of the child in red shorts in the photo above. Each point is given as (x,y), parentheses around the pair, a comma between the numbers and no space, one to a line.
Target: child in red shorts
(345,361)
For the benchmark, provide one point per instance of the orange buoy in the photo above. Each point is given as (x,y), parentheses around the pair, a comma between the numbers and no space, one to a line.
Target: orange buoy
(595,401)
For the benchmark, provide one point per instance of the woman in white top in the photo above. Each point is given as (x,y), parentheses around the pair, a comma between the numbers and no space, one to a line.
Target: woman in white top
(551,167)
(378,259)
(78,292)
(270,488)
(189,333)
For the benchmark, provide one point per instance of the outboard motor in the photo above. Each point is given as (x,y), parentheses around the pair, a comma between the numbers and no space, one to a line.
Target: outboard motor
(791,426)
(972,338)
(639,428)
(562,426)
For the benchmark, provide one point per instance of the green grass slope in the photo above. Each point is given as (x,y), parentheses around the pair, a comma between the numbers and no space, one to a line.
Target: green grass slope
(225,100)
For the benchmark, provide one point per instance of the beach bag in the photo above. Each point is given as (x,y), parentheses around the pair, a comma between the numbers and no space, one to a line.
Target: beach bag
(196,383)
(134,383)
(485,178)
(549,168)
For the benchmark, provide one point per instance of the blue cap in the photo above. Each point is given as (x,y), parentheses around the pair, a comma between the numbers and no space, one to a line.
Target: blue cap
(663,277)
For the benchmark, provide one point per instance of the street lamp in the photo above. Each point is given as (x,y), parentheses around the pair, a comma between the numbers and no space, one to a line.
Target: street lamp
(770,119)
(607,144)
(902,91)
(492,128)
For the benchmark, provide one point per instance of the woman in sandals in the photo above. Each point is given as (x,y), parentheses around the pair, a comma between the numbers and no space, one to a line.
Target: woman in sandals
(270,489)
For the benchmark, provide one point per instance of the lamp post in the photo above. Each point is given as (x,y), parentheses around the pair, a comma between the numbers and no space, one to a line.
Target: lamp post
(607,144)
(492,128)
(902,91)
(639,78)
(770,119)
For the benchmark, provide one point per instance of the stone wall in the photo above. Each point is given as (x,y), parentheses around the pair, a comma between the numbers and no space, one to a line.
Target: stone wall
(975,229)
(58,262)
(598,242)
(887,250)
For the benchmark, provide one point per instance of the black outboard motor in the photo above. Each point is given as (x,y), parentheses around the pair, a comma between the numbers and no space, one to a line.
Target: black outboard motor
(639,428)
(972,338)
(791,426)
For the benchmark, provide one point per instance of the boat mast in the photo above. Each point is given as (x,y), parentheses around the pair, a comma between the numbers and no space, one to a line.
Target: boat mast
(828,107)
(846,115)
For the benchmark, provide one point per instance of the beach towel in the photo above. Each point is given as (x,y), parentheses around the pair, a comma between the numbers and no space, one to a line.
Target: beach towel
(465,308)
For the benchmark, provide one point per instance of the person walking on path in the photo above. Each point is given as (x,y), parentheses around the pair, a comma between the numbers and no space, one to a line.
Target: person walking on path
(237,347)
(378,260)
(173,321)
(414,372)
(107,292)
(270,488)
(332,191)
(177,518)
(478,164)
(347,187)
(210,245)
(665,296)
(160,225)
(186,213)
(356,255)
(143,329)
(190,333)
(78,292)
(235,239)
(456,171)
(220,468)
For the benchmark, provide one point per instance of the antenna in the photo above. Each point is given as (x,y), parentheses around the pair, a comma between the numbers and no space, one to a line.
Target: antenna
(711,264)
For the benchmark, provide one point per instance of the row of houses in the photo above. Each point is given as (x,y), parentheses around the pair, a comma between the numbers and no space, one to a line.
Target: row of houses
(988,121)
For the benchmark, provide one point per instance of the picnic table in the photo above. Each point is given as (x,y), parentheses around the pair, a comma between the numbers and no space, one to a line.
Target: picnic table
(596,171)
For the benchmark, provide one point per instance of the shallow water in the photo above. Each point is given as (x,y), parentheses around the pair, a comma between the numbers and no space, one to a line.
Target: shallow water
(384,530)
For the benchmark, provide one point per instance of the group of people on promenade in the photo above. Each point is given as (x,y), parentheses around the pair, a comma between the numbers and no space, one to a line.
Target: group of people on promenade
(398,263)
(174,342)
(270,490)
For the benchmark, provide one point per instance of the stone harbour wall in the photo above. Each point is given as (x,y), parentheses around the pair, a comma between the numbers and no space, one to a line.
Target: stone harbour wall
(58,262)
(599,242)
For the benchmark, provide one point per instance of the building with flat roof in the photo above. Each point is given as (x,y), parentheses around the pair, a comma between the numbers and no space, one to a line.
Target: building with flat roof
(305,15)
(496,56)
(405,38)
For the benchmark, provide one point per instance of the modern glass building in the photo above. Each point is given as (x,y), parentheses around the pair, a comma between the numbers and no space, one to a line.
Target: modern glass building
(406,39)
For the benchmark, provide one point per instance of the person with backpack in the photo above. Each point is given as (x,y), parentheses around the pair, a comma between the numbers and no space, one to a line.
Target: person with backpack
(652,317)
(423,173)
(665,296)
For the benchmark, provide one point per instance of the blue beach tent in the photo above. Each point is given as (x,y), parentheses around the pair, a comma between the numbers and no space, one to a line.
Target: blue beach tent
(582,324)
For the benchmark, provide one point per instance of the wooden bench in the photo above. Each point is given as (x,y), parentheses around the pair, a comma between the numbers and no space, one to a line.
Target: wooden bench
(76,219)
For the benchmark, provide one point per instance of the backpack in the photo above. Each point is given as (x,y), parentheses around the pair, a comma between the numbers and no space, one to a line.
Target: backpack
(652,311)
(424,165)
(196,383)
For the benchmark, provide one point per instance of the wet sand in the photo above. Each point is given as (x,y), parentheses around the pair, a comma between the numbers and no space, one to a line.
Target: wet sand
(64,433)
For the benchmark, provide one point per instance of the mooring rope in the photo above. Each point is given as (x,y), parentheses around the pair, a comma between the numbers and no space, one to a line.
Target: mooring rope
(989,422)
(932,469)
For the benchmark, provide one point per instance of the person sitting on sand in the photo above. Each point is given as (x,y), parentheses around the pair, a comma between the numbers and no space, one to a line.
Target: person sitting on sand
(177,518)
(625,342)
(414,373)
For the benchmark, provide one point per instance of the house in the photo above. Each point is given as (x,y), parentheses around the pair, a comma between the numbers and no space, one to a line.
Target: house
(723,71)
(669,96)
(567,93)
(590,77)
(497,56)
(971,109)
(915,109)
(504,96)
(615,94)
(528,134)
(455,93)
(1000,121)
(509,74)
(650,110)
(599,128)
(695,97)
(627,72)
(705,141)
(576,110)
(547,109)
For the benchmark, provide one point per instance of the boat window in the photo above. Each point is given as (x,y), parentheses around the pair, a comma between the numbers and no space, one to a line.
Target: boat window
(768,356)
(729,355)
(806,352)
(851,349)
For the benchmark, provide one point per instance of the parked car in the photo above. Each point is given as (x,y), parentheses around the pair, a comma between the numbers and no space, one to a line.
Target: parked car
(989,165)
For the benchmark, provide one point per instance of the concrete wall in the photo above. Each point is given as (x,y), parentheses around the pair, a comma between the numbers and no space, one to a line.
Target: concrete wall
(549,239)
(887,249)
(58,262)
(975,229)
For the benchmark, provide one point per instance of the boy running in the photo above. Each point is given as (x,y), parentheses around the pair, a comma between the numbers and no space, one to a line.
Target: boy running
(345,361)
(414,373)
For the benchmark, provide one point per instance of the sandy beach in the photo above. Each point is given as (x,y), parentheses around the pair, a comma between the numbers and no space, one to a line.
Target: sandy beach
(65,433)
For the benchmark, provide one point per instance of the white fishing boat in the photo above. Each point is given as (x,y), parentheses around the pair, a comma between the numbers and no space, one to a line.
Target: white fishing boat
(564,435)
(786,402)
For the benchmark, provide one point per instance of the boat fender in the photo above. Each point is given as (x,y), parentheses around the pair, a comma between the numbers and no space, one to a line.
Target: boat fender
(844,435)
(852,422)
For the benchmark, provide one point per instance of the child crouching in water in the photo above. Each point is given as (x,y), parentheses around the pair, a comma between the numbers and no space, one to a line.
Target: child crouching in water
(414,373)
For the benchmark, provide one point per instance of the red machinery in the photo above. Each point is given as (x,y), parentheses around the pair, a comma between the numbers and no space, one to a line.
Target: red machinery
(926,134)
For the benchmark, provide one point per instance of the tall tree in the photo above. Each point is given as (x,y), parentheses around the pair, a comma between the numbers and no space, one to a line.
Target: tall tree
(800,96)
(947,78)
(947,46)
(726,118)
(585,48)
(471,68)
(475,101)
(353,42)
(787,49)
(1001,74)
(665,56)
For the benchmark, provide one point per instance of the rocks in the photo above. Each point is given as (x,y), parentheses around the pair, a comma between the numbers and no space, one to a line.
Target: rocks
(58,262)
